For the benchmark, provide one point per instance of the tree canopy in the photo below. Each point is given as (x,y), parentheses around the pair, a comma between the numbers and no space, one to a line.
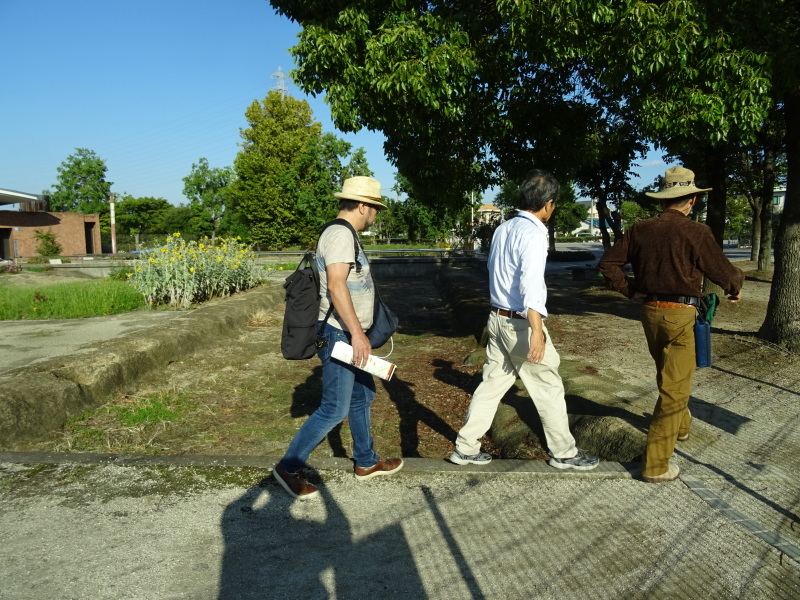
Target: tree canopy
(473,92)
(81,185)
(287,172)
(205,187)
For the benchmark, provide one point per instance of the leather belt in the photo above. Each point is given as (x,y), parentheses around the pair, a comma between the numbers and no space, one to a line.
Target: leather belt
(508,313)
(690,300)
(662,304)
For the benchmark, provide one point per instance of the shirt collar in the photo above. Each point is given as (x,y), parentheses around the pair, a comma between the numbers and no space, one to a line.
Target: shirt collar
(534,219)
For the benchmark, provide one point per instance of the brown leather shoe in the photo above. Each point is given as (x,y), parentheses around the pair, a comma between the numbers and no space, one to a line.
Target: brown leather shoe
(295,483)
(672,473)
(383,467)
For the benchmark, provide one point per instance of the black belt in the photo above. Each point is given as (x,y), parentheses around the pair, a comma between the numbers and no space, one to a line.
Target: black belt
(690,300)
(508,313)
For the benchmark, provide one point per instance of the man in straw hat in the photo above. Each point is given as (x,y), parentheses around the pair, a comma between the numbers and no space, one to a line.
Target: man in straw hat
(519,344)
(346,390)
(670,254)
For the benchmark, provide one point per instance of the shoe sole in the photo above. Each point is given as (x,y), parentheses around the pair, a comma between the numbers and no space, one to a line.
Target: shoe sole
(285,486)
(466,461)
(661,478)
(683,438)
(559,465)
(378,473)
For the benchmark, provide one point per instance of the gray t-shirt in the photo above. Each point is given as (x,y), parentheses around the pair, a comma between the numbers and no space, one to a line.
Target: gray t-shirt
(336,246)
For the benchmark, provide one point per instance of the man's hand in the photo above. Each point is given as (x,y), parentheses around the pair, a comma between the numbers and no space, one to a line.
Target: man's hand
(361,348)
(536,352)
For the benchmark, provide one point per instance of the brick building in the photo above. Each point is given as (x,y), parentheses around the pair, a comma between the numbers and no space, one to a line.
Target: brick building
(77,233)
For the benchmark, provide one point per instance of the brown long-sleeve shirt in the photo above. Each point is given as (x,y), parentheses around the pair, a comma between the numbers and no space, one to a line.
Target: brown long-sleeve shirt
(669,254)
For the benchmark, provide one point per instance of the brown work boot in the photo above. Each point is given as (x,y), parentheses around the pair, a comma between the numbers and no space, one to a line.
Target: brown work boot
(295,483)
(672,473)
(382,467)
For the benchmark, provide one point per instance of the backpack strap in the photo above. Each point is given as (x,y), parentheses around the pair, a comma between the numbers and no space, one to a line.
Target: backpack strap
(311,261)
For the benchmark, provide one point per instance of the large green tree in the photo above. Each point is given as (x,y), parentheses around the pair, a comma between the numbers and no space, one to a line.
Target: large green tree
(140,215)
(81,185)
(287,172)
(205,187)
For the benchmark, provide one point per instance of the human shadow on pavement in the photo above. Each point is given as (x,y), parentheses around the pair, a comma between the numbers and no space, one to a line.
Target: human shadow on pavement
(306,399)
(412,413)
(276,550)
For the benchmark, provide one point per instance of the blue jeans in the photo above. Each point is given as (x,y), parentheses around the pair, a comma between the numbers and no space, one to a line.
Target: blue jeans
(346,392)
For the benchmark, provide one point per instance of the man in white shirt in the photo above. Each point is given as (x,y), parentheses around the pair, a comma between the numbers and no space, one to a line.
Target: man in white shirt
(519,345)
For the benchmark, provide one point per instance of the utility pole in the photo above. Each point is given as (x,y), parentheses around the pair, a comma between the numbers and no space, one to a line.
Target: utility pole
(113,225)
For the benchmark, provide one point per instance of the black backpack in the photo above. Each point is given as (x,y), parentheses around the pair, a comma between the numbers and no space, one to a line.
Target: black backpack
(300,330)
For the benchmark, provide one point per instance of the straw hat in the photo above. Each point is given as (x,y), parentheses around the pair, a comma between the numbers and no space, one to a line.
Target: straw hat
(362,189)
(678,182)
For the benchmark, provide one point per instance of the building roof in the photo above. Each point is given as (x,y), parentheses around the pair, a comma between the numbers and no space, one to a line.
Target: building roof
(488,208)
(15,197)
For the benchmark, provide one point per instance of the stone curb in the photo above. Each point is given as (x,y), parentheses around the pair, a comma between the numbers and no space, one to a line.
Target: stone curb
(44,396)
(412,465)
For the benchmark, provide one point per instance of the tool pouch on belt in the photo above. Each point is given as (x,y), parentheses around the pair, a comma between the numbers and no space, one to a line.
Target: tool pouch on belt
(702,329)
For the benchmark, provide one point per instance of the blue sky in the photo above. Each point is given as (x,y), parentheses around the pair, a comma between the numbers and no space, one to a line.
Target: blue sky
(150,86)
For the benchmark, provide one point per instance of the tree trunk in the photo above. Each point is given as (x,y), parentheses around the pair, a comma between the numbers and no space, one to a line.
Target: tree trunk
(765,217)
(755,230)
(782,323)
(715,212)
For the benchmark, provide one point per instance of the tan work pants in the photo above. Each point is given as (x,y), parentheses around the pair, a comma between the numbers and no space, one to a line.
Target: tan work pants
(670,339)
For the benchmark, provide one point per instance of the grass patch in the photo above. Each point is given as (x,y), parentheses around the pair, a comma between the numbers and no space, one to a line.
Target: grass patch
(69,300)
(129,424)
(39,269)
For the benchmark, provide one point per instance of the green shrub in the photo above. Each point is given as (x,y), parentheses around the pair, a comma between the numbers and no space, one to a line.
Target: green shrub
(48,244)
(181,273)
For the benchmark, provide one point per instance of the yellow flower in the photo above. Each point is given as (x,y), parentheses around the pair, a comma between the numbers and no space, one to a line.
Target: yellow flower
(176,234)
(191,269)
(201,246)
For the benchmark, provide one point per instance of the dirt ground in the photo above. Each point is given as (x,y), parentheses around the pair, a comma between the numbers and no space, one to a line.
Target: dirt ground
(244,398)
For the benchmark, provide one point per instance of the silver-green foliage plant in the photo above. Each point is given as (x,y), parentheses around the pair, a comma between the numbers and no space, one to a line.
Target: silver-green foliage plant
(182,273)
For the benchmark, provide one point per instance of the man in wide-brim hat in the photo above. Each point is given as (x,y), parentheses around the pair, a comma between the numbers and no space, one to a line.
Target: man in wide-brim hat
(670,255)
(347,300)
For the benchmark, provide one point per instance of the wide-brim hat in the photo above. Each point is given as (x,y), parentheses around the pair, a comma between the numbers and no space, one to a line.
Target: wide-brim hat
(678,182)
(362,189)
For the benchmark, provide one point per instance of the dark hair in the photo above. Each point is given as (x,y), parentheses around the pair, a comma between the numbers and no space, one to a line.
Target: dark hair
(536,189)
(348,205)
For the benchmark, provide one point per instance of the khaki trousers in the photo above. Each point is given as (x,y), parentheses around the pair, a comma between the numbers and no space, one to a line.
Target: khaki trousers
(506,359)
(670,339)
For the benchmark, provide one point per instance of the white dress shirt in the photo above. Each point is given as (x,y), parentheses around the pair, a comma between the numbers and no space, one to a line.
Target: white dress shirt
(517,259)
